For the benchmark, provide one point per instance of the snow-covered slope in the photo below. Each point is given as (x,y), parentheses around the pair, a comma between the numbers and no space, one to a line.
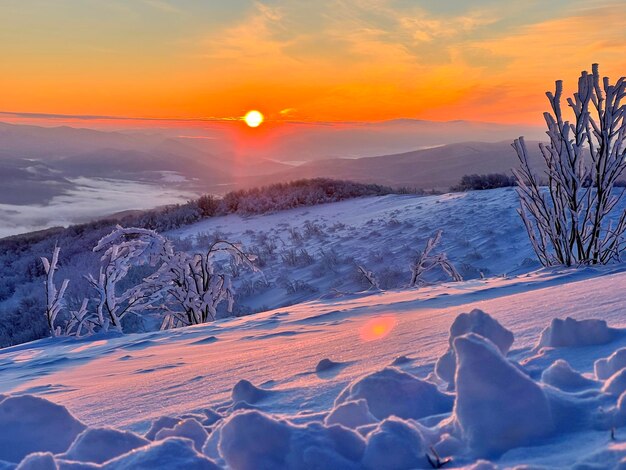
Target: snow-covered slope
(308,252)
(269,390)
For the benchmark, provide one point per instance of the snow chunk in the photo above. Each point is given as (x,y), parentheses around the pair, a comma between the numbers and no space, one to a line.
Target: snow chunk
(477,322)
(394,444)
(393,392)
(616,384)
(101,444)
(38,461)
(31,424)
(326,364)
(575,333)
(171,453)
(561,375)
(497,406)
(189,428)
(351,414)
(158,424)
(251,440)
(246,392)
(606,367)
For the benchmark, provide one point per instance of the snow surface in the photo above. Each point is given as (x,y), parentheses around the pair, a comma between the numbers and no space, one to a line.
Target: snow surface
(307,385)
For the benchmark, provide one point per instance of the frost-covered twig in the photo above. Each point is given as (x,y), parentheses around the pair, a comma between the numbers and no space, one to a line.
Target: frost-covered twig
(54,297)
(426,261)
(369,276)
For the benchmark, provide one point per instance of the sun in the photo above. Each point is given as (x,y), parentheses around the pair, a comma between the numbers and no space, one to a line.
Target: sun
(253,118)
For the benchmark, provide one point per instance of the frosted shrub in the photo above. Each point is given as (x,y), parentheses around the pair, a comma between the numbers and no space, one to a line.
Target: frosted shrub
(188,288)
(567,223)
(427,261)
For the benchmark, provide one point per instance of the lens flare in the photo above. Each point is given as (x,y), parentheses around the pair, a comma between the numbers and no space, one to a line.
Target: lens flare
(377,328)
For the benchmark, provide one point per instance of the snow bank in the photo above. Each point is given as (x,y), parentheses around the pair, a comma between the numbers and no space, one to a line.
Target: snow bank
(351,414)
(252,440)
(497,406)
(394,444)
(393,392)
(575,333)
(31,424)
(101,444)
(477,322)
(606,367)
(172,453)
(189,428)
(561,375)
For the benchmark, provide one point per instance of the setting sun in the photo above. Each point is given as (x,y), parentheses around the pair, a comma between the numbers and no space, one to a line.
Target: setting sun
(253,118)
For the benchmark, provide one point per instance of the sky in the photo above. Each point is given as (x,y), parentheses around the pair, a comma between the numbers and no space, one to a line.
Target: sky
(300,61)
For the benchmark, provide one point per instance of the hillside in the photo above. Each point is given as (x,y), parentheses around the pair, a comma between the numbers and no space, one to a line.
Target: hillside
(433,168)
(243,407)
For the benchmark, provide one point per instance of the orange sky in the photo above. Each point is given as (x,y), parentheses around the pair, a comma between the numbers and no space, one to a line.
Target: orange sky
(328,60)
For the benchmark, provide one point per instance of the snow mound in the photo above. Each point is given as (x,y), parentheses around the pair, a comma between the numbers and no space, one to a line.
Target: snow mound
(101,444)
(561,375)
(575,333)
(400,361)
(616,384)
(38,461)
(326,364)
(245,391)
(394,444)
(497,406)
(31,424)
(212,417)
(175,453)
(606,367)
(189,428)
(394,392)
(351,414)
(158,424)
(254,440)
(477,322)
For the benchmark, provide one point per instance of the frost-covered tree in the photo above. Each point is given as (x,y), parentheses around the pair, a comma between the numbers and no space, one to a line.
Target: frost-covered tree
(54,296)
(186,288)
(567,221)
(427,260)
(125,248)
(194,286)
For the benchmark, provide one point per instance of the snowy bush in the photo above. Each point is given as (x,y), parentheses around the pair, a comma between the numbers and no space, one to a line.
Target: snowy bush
(187,288)
(482,182)
(427,260)
(567,223)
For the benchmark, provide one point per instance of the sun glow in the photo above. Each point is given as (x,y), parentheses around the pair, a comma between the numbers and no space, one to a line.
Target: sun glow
(253,118)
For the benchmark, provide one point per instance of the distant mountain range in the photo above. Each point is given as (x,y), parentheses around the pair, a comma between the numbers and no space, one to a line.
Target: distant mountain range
(60,175)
